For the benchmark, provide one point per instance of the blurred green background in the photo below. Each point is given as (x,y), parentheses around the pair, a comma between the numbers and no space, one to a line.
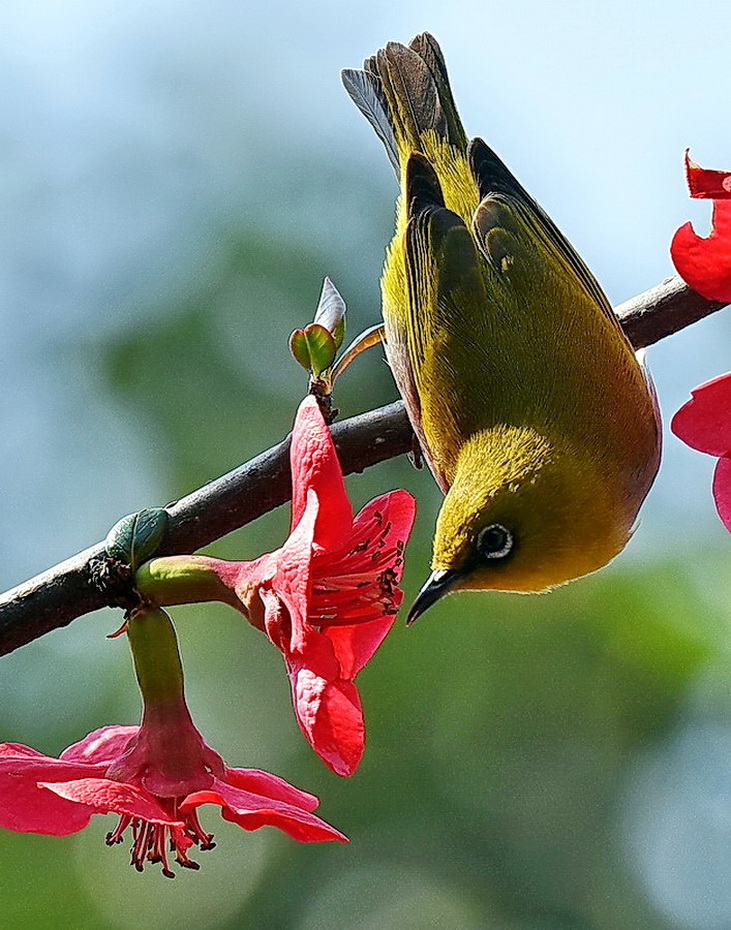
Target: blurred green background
(177,179)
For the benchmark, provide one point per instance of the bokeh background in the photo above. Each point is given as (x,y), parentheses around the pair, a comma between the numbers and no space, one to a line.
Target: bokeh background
(176,178)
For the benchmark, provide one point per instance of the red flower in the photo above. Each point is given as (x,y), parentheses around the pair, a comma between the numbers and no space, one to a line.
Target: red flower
(704,423)
(155,776)
(705,264)
(155,780)
(329,596)
(326,599)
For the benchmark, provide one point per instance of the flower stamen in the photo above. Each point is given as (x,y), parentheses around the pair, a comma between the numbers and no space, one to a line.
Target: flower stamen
(151,841)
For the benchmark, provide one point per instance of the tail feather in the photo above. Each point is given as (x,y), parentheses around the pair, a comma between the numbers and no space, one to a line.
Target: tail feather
(404,93)
(366,91)
(427,47)
(411,93)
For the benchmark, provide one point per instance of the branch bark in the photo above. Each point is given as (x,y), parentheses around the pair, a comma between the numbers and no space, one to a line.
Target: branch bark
(57,596)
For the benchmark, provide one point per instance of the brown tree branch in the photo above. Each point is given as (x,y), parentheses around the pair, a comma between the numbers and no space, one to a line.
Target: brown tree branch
(57,596)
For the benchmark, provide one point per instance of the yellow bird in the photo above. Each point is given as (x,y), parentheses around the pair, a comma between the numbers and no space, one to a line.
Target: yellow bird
(534,415)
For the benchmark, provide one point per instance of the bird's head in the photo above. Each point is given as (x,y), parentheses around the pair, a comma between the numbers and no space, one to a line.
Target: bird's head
(523,513)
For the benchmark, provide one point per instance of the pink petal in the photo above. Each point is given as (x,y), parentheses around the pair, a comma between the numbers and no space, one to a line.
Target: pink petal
(103,796)
(355,644)
(705,264)
(252,811)
(722,490)
(102,745)
(704,422)
(315,466)
(271,786)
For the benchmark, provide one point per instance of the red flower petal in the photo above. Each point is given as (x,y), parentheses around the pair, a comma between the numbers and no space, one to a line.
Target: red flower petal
(722,490)
(27,808)
(397,510)
(704,182)
(104,796)
(256,781)
(252,811)
(704,422)
(333,722)
(705,264)
(355,645)
(100,746)
(315,466)
(291,579)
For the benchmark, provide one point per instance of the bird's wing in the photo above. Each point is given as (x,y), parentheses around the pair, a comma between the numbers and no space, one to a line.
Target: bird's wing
(498,185)
(445,286)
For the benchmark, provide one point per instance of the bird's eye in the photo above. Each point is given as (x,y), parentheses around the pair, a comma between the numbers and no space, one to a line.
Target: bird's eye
(495,542)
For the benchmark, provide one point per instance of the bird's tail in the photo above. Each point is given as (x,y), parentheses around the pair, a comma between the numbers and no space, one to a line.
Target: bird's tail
(404,94)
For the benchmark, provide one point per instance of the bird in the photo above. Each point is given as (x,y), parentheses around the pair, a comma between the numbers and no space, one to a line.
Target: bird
(537,419)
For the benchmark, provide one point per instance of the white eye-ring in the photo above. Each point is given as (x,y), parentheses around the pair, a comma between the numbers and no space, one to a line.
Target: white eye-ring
(495,542)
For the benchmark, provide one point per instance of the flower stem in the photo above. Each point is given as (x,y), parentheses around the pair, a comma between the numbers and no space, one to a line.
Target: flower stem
(156,657)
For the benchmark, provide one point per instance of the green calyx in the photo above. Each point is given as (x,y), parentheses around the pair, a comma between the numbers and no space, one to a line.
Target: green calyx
(183,579)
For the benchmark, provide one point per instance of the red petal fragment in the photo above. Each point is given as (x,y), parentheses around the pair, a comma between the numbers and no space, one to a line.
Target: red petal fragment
(704,422)
(315,465)
(705,264)
(704,182)
(722,490)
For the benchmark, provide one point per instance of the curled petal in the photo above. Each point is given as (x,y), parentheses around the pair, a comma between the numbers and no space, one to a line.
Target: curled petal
(397,510)
(271,786)
(104,796)
(330,715)
(722,490)
(292,580)
(704,422)
(252,811)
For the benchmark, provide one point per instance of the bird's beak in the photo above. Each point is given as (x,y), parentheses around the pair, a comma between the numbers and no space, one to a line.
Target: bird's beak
(437,585)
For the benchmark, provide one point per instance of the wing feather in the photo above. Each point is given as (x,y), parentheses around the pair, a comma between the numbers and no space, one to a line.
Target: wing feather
(497,184)
(444,281)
